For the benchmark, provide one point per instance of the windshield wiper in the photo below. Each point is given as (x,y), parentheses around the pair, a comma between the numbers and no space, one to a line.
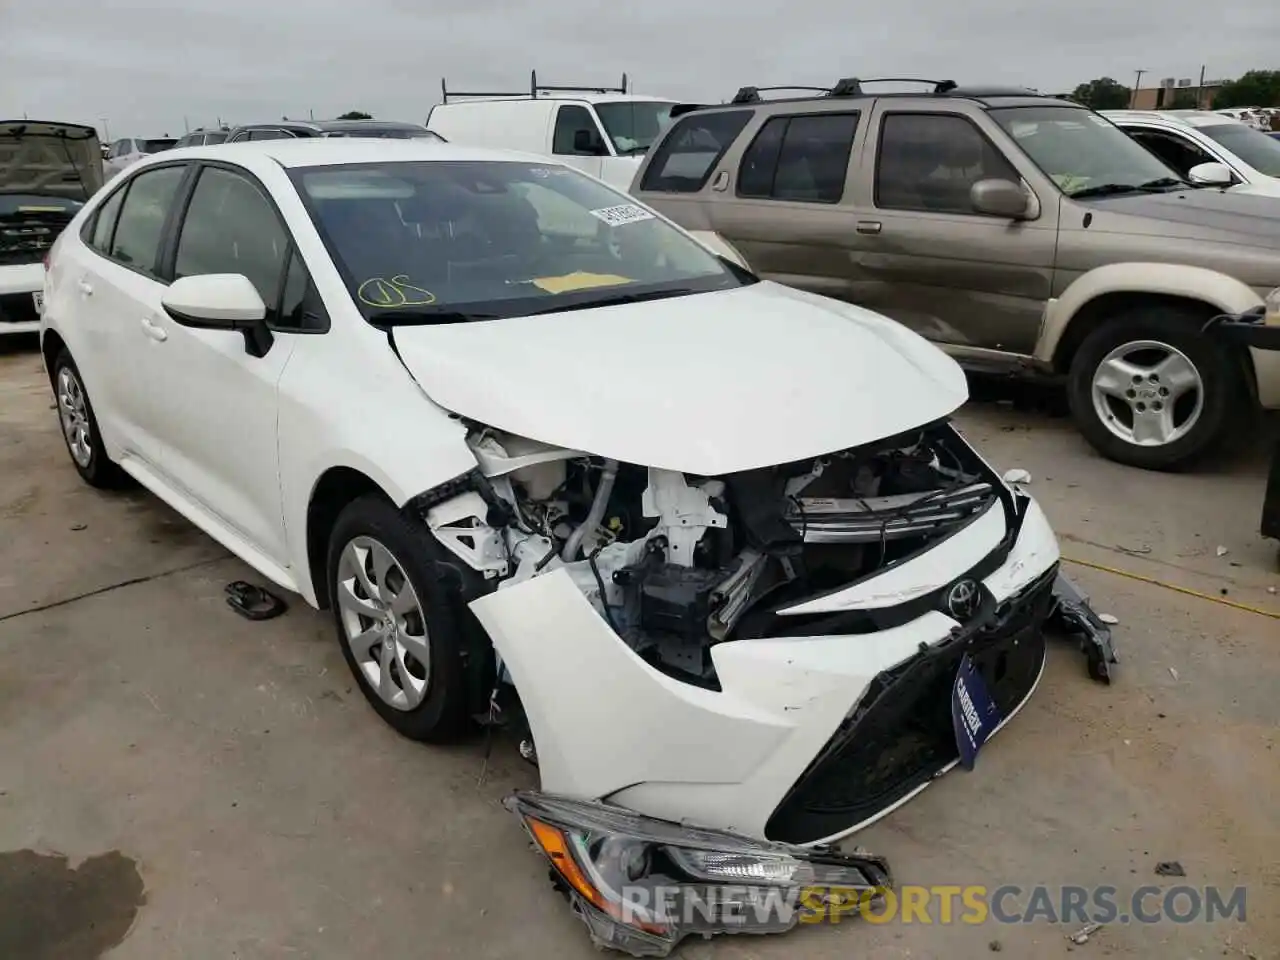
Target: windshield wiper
(423,316)
(1160,185)
(620,298)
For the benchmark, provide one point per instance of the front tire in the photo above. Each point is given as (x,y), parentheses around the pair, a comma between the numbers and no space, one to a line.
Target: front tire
(1149,390)
(395,620)
(80,428)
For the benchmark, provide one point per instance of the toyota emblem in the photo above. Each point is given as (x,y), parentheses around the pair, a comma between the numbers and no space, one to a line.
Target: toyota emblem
(962,600)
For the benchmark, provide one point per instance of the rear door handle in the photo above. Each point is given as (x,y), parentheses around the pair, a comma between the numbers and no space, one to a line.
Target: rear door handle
(85,287)
(153,330)
(868,226)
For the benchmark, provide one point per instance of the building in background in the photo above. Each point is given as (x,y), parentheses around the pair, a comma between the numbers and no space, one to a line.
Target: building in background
(1186,93)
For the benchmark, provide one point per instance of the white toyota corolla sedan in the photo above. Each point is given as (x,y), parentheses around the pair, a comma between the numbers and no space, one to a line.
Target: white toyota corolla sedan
(709,541)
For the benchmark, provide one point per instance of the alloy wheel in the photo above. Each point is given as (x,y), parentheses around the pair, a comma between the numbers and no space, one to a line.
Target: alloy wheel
(73,411)
(1148,393)
(383,623)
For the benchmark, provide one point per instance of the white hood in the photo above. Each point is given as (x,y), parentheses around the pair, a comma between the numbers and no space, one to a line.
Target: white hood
(706,384)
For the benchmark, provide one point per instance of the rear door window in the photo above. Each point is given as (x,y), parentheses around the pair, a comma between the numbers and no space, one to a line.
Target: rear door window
(803,158)
(691,149)
(136,242)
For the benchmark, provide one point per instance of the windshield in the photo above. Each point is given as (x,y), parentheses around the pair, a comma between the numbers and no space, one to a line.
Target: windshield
(217,136)
(633,125)
(1252,146)
(421,242)
(155,146)
(1081,151)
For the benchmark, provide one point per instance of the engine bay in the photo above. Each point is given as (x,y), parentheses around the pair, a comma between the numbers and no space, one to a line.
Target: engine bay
(677,563)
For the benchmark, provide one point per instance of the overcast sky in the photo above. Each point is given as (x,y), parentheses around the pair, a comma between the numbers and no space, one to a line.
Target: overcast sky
(145,65)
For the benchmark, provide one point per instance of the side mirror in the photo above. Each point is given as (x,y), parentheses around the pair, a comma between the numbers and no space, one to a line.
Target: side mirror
(1211,175)
(220,301)
(999,198)
(584,141)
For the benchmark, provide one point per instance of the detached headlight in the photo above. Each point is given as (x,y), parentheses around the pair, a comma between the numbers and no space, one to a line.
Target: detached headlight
(1272,301)
(642,885)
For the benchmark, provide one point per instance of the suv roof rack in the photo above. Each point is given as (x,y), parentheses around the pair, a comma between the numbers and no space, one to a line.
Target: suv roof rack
(535,89)
(845,87)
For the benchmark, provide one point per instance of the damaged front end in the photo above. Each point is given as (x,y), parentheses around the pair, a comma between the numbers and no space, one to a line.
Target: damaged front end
(643,885)
(781,654)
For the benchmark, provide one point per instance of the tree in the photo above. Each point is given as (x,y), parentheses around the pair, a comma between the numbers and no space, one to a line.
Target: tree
(1182,100)
(356,115)
(1257,88)
(1102,94)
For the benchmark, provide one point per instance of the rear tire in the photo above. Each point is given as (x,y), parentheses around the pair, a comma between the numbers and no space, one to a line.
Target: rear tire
(1119,398)
(393,611)
(80,430)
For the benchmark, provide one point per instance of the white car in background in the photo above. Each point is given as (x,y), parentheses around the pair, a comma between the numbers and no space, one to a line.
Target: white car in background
(708,542)
(124,153)
(1187,139)
(47,172)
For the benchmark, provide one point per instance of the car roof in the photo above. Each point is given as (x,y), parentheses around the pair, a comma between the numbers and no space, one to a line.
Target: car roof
(1184,118)
(322,151)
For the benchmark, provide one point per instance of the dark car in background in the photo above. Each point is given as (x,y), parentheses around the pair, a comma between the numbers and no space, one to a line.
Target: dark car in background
(388,129)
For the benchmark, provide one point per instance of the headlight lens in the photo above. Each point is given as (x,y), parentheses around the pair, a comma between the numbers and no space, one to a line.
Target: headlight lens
(1273,308)
(641,885)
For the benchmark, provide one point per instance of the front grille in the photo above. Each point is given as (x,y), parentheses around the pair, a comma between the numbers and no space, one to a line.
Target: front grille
(901,733)
(18,308)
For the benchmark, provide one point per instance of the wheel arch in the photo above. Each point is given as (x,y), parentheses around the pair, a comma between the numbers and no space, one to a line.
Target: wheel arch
(51,344)
(1108,290)
(333,490)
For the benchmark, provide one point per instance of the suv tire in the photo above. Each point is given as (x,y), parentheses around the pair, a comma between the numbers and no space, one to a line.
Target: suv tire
(1204,418)
(79,427)
(408,611)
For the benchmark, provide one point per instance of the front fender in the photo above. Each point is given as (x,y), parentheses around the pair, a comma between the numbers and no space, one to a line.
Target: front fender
(1164,279)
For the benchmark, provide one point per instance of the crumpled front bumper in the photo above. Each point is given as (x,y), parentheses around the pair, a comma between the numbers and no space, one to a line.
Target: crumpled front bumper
(799,721)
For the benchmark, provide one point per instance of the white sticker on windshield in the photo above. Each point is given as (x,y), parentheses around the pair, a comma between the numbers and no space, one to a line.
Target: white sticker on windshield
(623,213)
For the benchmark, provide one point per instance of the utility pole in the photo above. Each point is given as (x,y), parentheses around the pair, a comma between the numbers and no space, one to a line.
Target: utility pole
(1200,91)
(186,127)
(1133,97)
(312,114)
(106,130)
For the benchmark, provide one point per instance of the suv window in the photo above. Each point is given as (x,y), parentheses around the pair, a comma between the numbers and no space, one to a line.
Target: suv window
(230,227)
(269,135)
(571,120)
(799,158)
(136,242)
(1175,150)
(691,149)
(929,162)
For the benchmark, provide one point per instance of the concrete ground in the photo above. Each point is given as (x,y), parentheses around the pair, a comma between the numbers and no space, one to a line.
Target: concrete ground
(178,782)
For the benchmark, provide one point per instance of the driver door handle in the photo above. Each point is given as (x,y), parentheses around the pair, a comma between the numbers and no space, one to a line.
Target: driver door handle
(153,330)
(85,287)
(868,226)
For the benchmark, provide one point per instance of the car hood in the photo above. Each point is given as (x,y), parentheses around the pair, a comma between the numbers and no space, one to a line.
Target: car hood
(1253,216)
(53,159)
(706,384)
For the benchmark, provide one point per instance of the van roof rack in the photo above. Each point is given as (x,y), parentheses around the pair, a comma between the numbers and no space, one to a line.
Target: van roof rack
(535,89)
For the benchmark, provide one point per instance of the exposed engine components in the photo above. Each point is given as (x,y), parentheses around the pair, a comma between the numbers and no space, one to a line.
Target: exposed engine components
(676,563)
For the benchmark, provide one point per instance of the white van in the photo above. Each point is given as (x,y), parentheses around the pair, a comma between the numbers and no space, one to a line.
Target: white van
(603,131)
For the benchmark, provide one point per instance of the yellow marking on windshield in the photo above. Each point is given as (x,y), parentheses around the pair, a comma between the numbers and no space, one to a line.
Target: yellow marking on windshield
(1067,182)
(578,280)
(396,292)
